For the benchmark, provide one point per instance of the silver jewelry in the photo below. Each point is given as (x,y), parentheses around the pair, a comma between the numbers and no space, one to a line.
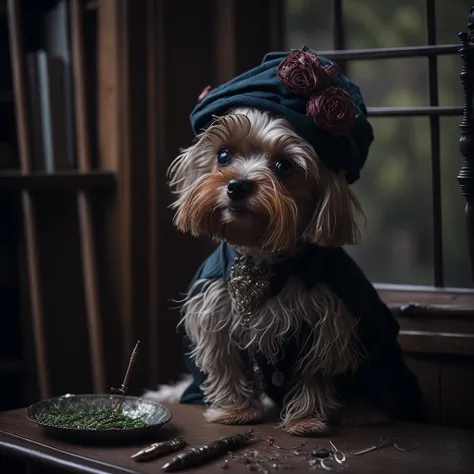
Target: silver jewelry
(249,286)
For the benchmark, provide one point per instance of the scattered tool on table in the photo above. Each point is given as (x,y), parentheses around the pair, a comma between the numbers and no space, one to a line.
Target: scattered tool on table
(156,450)
(123,389)
(208,452)
(384,442)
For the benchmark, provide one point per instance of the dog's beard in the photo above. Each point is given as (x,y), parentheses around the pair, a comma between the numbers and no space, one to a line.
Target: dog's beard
(269,220)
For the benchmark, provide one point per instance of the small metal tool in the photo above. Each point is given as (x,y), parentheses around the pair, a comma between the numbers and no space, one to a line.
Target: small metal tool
(123,389)
(156,450)
(207,452)
(339,456)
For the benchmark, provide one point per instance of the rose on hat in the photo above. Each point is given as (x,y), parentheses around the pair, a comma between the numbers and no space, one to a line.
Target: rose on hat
(320,103)
(302,73)
(331,108)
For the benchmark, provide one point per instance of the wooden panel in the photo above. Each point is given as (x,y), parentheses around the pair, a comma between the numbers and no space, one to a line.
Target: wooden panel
(91,291)
(11,340)
(437,324)
(65,325)
(7,154)
(225,40)
(133,186)
(90,23)
(457,392)
(6,97)
(105,217)
(235,49)
(32,385)
(126,182)
(427,372)
(108,85)
(399,295)
(437,343)
(28,206)
(19,81)
(277,30)
(156,152)
(11,363)
(106,210)
(439,348)
(254,40)
(187,70)
(84,202)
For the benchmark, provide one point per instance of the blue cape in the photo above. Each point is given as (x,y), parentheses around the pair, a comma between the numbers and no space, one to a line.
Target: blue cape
(382,376)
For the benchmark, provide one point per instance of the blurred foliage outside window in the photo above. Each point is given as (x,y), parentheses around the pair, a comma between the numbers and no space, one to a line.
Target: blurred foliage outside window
(395,184)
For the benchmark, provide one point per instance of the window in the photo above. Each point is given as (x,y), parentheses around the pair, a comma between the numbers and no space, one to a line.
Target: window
(408,188)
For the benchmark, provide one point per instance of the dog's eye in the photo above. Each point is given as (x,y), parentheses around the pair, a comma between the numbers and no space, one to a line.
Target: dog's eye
(224,156)
(283,168)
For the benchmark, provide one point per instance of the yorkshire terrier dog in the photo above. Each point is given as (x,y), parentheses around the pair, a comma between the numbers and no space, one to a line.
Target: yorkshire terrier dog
(280,309)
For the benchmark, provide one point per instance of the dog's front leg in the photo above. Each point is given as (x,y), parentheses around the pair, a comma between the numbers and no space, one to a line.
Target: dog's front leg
(228,390)
(229,393)
(307,406)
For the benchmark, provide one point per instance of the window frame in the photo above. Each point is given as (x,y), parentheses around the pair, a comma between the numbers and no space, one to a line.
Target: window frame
(413,300)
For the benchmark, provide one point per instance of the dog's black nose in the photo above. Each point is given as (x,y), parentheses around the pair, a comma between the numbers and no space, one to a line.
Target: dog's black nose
(239,189)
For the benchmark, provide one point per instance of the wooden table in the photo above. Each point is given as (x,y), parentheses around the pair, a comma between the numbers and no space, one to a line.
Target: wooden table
(440,450)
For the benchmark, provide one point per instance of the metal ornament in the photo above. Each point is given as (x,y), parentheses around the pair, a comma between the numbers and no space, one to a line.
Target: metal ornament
(331,459)
(249,286)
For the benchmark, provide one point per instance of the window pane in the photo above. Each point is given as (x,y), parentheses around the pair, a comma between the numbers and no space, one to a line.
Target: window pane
(451,18)
(384,23)
(309,22)
(450,88)
(395,193)
(456,254)
(392,82)
(395,189)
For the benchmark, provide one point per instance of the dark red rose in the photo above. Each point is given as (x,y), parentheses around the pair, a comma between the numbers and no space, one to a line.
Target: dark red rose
(332,110)
(302,73)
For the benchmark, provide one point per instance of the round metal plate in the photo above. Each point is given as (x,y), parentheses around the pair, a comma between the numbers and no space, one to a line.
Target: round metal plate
(154,414)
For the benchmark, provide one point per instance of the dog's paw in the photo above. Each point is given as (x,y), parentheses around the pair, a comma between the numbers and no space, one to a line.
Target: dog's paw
(234,416)
(363,414)
(309,426)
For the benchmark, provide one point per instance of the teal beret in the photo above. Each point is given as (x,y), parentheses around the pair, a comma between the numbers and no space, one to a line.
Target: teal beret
(309,105)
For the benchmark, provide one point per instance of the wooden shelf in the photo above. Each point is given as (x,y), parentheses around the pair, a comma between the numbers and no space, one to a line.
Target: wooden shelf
(71,180)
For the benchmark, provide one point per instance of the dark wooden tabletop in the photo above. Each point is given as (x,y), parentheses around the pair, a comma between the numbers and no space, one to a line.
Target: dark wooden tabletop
(440,450)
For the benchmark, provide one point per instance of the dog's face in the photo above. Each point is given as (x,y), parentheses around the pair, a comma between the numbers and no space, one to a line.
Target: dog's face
(251,180)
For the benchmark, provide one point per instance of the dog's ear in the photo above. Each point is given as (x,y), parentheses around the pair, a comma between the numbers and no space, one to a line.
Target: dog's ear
(335,219)
(188,167)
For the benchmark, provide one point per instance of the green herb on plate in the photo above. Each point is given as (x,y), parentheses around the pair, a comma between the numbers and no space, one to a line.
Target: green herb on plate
(93,419)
